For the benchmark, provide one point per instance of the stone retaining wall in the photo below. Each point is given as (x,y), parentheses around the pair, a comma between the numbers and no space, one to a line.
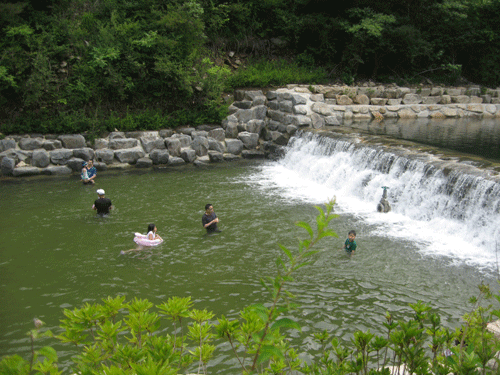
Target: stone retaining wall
(258,126)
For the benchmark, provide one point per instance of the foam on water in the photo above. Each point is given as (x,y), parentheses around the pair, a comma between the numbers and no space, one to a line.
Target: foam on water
(446,213)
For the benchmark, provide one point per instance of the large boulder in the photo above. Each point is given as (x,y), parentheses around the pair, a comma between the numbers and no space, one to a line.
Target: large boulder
(215,145)
(150,144)
(40,158)
(129,155)
(30,143)
(255,126)
(215,156)
(232,130)
(250,140)
(159,156)
(57,170)
(185,139)
(73,141)
(8,164)
(26,171)
(101,143)
(123,143)
(7,144)
(200,146)
(116,135)
(174,160)
(218,134)
(104,155)
(165,133)
(173,146)
(75,164)
(188,154)
(144,163)
(52,144)
(85,153)
(234,146)
(61,156)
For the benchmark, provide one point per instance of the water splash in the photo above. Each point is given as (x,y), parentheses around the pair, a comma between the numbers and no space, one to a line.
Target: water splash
(448,208)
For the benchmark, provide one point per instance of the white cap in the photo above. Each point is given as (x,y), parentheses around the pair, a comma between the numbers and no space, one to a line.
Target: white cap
(100,191)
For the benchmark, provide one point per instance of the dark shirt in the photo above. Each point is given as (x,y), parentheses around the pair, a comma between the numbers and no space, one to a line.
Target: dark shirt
(102,205)
(207,219)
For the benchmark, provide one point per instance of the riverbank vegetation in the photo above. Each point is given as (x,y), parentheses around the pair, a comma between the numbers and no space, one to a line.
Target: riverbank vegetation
(136,337)
(87,66)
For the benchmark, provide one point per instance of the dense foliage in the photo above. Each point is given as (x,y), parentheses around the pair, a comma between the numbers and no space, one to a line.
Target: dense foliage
(136,337)
(70,65)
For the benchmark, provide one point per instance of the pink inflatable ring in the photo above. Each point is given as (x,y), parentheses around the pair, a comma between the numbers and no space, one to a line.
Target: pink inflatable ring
(142,239)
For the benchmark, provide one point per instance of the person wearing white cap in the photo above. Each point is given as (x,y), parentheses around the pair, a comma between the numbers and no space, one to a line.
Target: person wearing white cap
(102,204)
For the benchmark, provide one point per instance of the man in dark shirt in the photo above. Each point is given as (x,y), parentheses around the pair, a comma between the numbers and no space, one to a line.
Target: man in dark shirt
(210,219)
(102,204)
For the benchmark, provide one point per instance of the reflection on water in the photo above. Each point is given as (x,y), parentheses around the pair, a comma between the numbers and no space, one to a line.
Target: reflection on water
(471,135)
(55,254)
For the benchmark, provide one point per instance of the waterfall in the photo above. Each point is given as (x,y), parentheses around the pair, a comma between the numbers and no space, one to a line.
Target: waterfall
(447,207)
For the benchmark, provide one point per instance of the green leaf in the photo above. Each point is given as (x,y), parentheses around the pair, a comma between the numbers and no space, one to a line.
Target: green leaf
(285,323)
(49,353)
(286,251)
(269,351)
(306,226)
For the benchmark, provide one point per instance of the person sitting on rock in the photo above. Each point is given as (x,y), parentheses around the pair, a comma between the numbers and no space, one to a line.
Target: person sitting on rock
(92,172)
(85,175)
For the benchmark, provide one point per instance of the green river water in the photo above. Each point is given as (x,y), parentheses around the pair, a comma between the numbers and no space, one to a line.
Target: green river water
(55,253)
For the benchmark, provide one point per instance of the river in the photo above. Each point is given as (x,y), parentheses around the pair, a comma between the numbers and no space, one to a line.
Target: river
(436,245)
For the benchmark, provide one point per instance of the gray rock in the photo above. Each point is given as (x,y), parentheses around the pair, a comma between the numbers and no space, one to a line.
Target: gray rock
(188,154)
(291,129)
(73,141)
(299,99)
(412,99)
(343,100)
(52,144)
(150,144)
(258,113)
(362,99)
(40,158)
(129,155)
(244,104)
(199,133)
(253,154)
(104,155)
(173,146)
(317,121)
(8,165)
(30,143)
(57,170)
(215,145)
(75,164)
(460,99)
(232,130)
(322,109)
(332,120)
(159,156)
(61,156)
(317,98)
(257,97)
(215,156)
(185,139)
(280,138)
(437,91)
(116,135)
(286,106)
(100,166)
(101,143)
(200,146)
(201,163)
(378,101)
(218,134)
(7,144)
(234,146)
(26,171)
(123,143)
(300,110)
(445,99)
(165,133)
(271,95)
(274,105)
(250,140)
(174,160)
(144,163)
(301,120)
(431,100)
(187,130)
(255,126)
(395,101)
(231,157)
(83,153)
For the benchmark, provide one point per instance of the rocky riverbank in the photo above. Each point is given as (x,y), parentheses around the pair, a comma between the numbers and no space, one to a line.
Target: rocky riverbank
(258,125)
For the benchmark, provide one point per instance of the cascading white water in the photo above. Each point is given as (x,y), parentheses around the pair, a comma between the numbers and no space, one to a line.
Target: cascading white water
(446,208)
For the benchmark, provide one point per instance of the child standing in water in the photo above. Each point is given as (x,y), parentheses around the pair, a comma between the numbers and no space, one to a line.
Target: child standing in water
(350,244)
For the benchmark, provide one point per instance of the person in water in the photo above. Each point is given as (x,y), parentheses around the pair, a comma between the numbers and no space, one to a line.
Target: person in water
(91,171)
(85,175)
(152,233)
(350,244)
(209,219)
(102,204)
